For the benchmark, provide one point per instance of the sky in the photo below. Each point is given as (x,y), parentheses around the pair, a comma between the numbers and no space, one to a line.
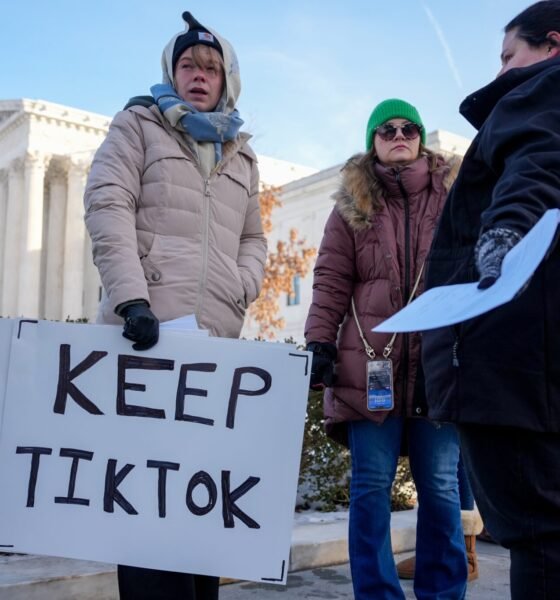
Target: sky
(311,70)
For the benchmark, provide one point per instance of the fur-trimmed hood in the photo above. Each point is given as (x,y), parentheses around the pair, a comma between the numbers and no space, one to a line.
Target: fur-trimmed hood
(356,198)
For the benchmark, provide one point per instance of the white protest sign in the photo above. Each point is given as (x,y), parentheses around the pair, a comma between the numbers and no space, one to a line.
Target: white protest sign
(6,326)
(184,457)
(450,304)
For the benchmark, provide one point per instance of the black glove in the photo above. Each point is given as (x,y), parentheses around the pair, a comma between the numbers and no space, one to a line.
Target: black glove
(489,253)
(140,325)
(322,366)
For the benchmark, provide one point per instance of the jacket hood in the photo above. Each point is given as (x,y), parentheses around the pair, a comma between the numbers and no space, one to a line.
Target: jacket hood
(355,197)
(232,87)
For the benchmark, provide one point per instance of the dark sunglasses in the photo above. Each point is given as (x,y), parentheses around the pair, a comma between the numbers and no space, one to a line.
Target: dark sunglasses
(388,132)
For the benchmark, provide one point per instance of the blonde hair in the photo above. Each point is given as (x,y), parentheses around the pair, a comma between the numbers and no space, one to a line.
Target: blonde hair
(205,56)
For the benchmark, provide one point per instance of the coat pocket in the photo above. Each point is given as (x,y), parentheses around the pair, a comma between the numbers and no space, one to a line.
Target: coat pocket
(151,272)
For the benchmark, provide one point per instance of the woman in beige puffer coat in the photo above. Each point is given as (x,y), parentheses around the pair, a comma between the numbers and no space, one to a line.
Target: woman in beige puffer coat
(172,224)
(173,213)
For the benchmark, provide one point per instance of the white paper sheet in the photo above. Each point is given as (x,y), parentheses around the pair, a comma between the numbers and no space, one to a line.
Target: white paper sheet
(186,324)
(447,305)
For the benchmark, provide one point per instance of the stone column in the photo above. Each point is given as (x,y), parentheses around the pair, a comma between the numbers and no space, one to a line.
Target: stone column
(10,267)
(54,243)
(31,243)
(74,240)
(3,212)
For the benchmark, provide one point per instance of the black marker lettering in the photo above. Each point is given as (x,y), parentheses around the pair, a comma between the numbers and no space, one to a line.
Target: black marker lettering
(229,507)
(144,363)
(35,452)
(162,467)
(236,390)
(67,388)
(183,390)
(201,478)
(75,455)
(112,482)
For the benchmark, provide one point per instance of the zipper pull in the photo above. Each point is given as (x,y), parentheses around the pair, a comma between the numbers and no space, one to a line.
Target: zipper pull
(455,361)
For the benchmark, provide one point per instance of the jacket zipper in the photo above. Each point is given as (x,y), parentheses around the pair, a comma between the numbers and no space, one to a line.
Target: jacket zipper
(454,352)
(205,229)
(205,234)
(455,348)
(406,357)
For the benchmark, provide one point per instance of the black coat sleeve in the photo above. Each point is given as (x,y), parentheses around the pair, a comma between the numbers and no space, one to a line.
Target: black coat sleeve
(521,143)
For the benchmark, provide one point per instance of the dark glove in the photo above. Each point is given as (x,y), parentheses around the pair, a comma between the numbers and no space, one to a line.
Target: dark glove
(322,365)
(489,253)
(140,325)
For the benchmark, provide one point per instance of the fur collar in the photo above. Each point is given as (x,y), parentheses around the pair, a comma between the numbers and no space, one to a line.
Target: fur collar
(354,198)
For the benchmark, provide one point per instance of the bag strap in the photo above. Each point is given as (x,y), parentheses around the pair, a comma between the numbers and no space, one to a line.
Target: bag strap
(389,347)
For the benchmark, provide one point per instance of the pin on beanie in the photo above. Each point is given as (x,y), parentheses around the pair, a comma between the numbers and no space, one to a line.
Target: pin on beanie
(393,108)
(196,34)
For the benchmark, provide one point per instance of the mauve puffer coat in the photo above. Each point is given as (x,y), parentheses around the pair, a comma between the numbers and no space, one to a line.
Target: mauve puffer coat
(374,256)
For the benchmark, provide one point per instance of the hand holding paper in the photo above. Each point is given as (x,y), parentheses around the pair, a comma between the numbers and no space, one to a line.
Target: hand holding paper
(447,305)
(490,251)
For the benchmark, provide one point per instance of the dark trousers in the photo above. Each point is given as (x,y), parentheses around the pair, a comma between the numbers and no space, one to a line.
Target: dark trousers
(515,477)
(150,584)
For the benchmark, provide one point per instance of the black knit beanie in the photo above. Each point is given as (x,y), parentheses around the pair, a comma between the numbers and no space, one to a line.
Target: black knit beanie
(197,34)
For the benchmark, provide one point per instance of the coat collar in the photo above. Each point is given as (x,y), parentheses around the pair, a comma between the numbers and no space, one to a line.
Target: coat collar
(354,199)
(414,177)
(477,106)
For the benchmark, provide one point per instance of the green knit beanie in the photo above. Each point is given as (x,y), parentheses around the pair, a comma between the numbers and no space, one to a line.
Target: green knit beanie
(392,109)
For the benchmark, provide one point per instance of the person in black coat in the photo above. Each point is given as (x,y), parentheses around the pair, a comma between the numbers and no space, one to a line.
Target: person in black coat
(497,376)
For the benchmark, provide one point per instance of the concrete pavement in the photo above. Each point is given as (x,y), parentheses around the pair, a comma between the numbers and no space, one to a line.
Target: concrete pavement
(318,568)
(334,583)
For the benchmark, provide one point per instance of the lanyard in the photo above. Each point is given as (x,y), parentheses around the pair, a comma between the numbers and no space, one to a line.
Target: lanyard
(389,347)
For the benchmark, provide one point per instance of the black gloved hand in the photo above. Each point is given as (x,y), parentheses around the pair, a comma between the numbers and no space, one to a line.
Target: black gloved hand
(140,325)
(489,253)
(322,365)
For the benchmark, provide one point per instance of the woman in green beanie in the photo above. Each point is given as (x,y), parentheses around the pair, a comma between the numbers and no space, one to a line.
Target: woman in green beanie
(370,265)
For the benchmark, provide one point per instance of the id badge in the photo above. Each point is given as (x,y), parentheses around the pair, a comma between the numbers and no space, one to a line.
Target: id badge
(380,384)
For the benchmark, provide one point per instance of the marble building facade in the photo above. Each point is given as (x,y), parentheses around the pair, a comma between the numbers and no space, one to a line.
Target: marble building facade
(45,260)
(46,269)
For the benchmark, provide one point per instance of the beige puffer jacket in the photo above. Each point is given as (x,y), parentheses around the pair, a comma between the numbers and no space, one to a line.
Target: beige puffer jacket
(162,233)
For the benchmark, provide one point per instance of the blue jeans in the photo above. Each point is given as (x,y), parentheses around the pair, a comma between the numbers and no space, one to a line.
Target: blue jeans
(441,564)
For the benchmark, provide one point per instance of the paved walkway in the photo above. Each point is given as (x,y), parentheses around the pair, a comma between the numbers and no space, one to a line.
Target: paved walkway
(334,583)
(318,568)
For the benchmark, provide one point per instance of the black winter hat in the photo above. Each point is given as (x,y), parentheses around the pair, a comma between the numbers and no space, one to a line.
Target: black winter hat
(197,34)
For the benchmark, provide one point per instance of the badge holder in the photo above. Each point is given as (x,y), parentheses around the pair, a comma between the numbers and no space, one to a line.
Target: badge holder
(379,371)
(380,384)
